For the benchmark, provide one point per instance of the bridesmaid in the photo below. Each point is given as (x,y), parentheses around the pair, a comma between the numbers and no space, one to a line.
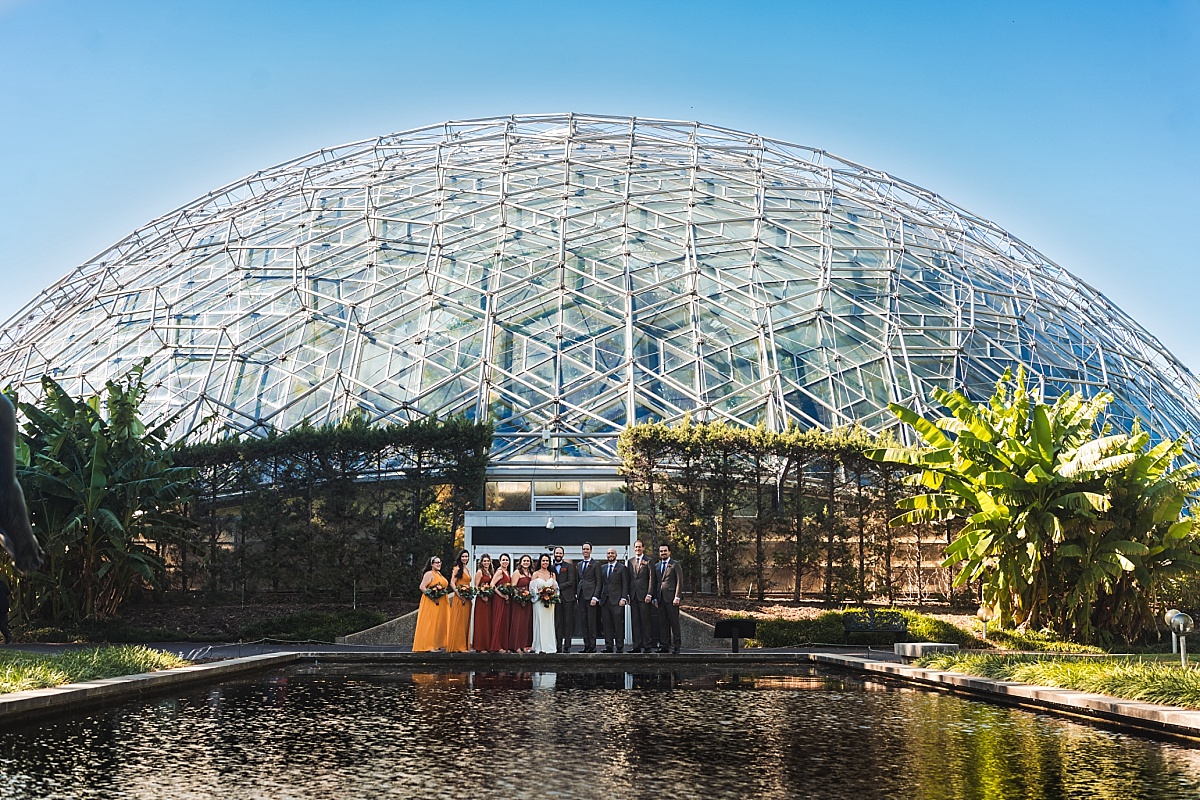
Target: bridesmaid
(522,613)
(483,607)
(431,616)
(458,621)
(502,608)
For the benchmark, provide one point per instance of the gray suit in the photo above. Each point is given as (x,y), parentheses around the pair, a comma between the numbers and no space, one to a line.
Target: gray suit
(614,587)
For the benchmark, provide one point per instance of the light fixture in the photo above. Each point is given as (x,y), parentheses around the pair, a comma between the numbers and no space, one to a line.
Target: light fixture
(549,523)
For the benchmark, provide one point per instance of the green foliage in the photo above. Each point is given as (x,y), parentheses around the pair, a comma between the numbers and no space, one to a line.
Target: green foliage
(1131,678)
(1036,641)
(104,497)
(342,506)
(1065,525)
(824,629)
(22,670)
(827,629)
(710,489)
(318,626)
(928,628)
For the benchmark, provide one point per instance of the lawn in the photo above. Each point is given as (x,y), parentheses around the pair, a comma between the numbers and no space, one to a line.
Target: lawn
(1152,679)
(21,670)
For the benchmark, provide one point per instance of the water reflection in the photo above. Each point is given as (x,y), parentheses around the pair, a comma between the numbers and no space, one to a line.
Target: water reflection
(662,734)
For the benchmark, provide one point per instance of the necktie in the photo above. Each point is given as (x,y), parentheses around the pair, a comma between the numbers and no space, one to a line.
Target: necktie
(610,570)
(662,567)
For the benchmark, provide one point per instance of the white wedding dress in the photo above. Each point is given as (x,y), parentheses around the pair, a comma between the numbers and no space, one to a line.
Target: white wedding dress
(544,640)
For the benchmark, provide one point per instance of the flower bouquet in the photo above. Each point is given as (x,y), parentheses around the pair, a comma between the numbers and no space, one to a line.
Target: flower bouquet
(549,596)
(505,590)
(436,593)
(467,593)
(522,596)
(485,592)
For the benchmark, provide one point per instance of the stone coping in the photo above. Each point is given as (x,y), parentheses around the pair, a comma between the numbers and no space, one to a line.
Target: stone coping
(1146,717)
(1162,720)
(34,703)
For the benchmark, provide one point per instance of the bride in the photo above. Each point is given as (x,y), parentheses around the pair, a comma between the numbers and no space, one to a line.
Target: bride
(544,640)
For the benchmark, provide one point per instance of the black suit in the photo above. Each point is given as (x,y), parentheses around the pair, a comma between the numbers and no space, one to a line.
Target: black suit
(643,582)
(614,588)
(564,612)
(670,587)
(588,574)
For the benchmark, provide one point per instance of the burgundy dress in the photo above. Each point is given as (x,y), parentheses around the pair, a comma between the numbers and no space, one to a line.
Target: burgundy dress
(501,614)
(521,626)
(483,624)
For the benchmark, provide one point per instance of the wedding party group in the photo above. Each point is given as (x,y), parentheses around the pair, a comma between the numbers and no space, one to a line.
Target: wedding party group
(504,608)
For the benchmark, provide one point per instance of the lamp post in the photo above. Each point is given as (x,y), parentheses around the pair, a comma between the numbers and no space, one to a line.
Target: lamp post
(985,615)
(1182,625)
(1167,617)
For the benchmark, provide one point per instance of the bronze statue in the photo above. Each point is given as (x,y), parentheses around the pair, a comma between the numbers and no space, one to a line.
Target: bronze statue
(15,533)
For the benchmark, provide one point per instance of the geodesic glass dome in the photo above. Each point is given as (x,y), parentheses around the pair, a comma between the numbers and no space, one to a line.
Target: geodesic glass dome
(569,275)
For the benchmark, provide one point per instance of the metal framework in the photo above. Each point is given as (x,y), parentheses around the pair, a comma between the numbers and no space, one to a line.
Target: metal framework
(567,275)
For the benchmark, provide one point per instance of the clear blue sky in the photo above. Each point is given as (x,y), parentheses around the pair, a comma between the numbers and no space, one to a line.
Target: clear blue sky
(1075,125)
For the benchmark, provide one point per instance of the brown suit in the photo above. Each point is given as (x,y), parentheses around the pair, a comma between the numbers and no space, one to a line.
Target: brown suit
(670,588)
(643,582)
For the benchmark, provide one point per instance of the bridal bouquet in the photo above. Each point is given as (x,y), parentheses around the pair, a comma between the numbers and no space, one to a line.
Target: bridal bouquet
(522,596)
(436,593)
(549,596)
(484,592)
(467,593)
(504,590)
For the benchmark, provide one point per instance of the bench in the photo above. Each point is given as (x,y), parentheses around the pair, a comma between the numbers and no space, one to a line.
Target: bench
(872,621)
(735,629)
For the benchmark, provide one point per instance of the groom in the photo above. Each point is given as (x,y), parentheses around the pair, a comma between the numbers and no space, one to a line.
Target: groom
(564,612)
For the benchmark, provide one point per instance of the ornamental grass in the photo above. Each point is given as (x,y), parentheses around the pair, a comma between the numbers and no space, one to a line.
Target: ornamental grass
(20,670)
(1129,677)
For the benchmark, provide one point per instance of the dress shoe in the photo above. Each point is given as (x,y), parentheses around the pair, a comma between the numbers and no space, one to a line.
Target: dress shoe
(663,650)
(636,650)
(620,649)
(675,651)
(608,649)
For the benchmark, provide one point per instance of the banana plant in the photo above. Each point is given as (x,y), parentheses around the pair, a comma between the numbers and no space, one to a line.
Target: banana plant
(104,497)
(1035,484)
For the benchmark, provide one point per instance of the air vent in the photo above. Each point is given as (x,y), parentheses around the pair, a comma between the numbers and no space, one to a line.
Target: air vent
(556,504)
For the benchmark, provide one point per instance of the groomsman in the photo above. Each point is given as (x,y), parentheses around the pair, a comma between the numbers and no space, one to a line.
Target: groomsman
(670,592)
(643,585)
(614,596)
(564,612)
(587,596)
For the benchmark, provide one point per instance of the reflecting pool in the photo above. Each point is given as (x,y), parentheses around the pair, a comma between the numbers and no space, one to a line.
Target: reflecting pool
(775,733)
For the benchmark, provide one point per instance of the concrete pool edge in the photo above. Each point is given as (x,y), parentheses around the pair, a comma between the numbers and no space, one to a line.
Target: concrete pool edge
(33,703)
(1137,715)
(1142,717)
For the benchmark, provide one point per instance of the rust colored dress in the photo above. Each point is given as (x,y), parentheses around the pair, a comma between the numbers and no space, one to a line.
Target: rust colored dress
(431,620)
(483,620)
(458,618)
(521,626)
(501,614)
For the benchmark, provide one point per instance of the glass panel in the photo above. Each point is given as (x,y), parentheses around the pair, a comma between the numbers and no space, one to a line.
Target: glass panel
(508,496)
(556,488)
(603,496)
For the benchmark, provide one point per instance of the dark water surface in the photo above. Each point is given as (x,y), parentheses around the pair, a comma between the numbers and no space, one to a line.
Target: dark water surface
(696,734)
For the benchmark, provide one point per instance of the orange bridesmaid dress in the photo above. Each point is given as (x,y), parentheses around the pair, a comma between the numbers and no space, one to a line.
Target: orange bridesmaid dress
(458,618)
(431,619)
